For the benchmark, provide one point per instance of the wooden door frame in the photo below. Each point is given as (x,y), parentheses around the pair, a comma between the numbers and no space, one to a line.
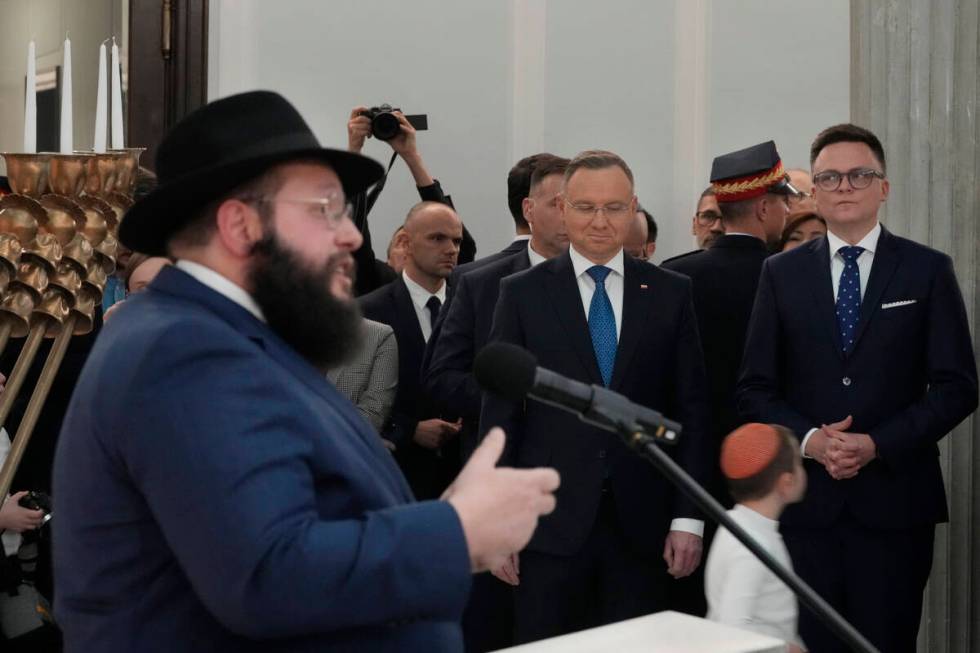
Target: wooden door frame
(168,68)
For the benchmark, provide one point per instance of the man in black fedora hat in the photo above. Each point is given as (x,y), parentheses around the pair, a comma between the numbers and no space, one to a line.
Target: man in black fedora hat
(214,491)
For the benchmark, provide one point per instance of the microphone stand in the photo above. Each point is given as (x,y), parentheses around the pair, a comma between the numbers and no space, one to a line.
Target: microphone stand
(638,439)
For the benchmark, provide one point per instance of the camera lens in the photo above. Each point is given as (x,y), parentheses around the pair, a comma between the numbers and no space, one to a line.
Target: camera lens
(385,126)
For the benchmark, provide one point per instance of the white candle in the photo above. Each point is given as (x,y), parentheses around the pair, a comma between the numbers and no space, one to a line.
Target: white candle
(30,103)
(100,101)
(66,117)
(117,118)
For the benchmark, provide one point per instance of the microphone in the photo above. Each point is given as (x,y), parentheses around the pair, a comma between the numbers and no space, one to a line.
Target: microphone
(512,373)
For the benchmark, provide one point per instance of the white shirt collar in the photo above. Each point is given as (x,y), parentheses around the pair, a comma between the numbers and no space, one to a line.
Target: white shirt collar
(533,256)
(757,519)
(522,237)
(581,264)
(420,296)
(869,242)
(221,285)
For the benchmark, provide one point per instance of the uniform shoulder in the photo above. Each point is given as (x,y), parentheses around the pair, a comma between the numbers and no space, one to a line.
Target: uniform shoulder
(685,262)
(670,262)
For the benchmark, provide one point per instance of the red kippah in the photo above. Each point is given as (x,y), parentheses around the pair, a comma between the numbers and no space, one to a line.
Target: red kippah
(748,449)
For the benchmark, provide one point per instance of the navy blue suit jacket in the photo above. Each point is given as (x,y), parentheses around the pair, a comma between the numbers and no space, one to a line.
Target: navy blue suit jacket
(658,364)
(215,492)
(515,247)
(909,379)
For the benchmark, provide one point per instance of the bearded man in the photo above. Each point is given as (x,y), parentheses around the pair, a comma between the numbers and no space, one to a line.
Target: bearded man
(214,490)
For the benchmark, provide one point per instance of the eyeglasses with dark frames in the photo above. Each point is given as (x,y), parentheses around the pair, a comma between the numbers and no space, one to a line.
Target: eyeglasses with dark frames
(858,178)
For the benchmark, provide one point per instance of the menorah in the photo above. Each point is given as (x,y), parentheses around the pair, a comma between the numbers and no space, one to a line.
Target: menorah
(57,247)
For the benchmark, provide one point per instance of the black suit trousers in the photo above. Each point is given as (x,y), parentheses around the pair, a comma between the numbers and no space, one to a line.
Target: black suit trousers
(874,577)
(603,583)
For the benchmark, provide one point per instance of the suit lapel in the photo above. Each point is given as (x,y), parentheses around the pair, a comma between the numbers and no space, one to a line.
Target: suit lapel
(886,259)
(636,307)
(822,289)
(405,310)
(566,300)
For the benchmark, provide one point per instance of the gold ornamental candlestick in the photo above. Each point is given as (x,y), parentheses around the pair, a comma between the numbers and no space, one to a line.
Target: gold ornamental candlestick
(44,290)
(27,174)
(100,227)
(127,169)
(10,250)
(102,172)
(67,309)
(52,317)
(21,219)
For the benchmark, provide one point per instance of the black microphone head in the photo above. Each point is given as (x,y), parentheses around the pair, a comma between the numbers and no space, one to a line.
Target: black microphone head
(505,370)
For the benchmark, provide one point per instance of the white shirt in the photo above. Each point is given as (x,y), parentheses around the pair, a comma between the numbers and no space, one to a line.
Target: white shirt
(864,261)
(869,243)
(420,296)
(533,256)
(11,540)
(615,282)
(221,285)
(740,590)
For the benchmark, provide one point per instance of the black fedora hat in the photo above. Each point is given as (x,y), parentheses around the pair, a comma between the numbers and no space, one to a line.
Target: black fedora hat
(224,144)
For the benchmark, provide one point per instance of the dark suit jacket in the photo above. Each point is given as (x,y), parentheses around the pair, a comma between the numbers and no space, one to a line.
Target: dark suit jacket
(658,364)
(516,247)
(909,379)
(465,328)
(724,279)
(428,472)
(214,492)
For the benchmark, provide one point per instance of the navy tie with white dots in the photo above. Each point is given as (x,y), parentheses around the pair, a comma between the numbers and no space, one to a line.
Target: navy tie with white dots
(849,296)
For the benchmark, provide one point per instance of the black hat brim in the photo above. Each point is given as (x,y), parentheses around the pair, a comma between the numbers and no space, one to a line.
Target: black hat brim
(152,220)
(784,187)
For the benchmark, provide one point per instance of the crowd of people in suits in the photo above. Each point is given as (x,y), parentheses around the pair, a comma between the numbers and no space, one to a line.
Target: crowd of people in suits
(732,332)
(798,309)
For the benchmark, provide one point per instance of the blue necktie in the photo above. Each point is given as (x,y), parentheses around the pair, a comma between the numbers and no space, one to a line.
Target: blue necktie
(849,296)
(602,324)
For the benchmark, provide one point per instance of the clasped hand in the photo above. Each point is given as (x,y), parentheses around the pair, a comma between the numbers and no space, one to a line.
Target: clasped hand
(841,452)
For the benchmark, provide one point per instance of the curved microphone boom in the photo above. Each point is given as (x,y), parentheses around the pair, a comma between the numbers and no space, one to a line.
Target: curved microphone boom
(511,372)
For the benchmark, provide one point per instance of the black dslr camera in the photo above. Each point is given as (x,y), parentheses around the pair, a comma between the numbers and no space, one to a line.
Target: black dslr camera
(37,501)
(384,124)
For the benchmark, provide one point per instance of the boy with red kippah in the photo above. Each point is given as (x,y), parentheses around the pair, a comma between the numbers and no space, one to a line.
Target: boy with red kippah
(765,474)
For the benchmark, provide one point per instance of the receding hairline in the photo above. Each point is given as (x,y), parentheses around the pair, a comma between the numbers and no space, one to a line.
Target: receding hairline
(422,208)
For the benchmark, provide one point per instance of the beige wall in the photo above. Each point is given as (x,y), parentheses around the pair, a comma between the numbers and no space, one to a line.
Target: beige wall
(47,21)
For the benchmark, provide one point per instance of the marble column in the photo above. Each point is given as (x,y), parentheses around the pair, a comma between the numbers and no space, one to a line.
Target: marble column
(914,73)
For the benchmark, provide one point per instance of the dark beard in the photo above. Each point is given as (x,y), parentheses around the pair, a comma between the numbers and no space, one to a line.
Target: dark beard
(298,305)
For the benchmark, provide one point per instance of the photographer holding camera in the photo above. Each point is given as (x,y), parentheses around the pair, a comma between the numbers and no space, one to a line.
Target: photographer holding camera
(371,272)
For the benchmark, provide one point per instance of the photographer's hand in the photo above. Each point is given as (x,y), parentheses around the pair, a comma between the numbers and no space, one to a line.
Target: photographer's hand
(16,518)
(358,128)
(404,144)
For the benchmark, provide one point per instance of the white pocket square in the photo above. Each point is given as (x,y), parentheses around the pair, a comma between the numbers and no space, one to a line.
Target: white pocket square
(904,302)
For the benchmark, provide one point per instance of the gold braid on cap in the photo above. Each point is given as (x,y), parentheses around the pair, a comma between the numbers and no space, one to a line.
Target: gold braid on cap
(747,185)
